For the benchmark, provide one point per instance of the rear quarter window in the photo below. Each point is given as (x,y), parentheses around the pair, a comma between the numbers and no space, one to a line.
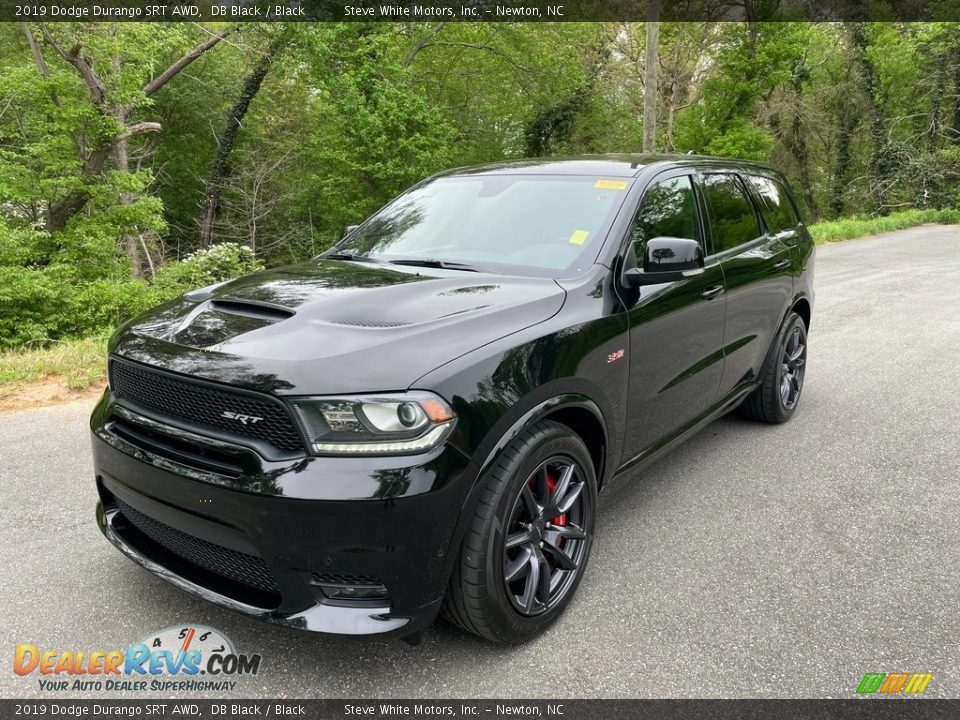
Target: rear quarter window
(776,207)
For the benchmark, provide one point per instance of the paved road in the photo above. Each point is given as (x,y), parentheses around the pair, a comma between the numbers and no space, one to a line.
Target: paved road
(753,561)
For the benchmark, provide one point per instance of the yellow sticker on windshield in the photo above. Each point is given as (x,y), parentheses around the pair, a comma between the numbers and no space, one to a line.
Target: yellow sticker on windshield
(611,184)
(579,237)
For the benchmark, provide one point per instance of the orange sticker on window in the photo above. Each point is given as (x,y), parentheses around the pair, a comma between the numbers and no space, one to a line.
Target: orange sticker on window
(611,184)
(579,237)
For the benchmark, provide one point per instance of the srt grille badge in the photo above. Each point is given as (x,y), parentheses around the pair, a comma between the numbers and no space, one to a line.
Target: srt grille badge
(245,419)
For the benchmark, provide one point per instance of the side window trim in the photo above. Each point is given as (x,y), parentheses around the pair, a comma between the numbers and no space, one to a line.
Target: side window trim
(756,201)
(707,243)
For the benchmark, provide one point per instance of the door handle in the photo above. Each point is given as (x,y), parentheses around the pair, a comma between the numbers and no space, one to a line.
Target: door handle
(781,264)
(790,237)
(711,291)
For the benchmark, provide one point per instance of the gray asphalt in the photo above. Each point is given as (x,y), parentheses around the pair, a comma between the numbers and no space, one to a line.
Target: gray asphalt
(753,561)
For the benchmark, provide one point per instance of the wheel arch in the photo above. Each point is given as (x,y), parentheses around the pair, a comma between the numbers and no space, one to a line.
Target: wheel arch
(576,411)
(801,306)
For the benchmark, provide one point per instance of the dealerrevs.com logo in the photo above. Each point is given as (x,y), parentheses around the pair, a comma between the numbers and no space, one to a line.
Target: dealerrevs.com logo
(191,658)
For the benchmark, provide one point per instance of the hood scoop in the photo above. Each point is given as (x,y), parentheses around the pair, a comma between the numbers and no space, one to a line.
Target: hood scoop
(223,319)
(247,308)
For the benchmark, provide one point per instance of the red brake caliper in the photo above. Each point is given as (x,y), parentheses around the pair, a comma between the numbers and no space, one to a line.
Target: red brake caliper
(559,520)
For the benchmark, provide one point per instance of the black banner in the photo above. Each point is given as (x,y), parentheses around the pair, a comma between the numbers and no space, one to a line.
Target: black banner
(476,10)
(475,709)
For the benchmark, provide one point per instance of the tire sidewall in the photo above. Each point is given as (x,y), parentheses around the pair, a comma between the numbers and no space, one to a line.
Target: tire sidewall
(793,320)
(559,441)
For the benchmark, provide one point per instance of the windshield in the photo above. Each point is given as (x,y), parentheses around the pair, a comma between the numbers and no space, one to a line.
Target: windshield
(515,224)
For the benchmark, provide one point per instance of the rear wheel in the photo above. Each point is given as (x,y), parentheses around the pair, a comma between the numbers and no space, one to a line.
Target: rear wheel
(529,540)
(781,383)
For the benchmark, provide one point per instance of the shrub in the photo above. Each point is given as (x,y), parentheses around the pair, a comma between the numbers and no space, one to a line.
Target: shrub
(205,267)
(28,300)
(103,304)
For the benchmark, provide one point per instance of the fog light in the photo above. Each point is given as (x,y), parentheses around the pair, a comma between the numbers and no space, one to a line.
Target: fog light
(348,587)
(354,592)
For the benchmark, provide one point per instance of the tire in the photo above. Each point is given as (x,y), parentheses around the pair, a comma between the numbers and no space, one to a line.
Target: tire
(781,382)
(532,468)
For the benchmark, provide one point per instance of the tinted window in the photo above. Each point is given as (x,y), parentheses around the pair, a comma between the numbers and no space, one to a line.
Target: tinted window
(668,210)
(734,220)
(775,205)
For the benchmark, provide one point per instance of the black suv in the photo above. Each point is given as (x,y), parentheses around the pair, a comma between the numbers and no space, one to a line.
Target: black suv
(419,420)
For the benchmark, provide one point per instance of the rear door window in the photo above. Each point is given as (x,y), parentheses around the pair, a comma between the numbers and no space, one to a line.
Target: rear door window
(776,207)
(732,215)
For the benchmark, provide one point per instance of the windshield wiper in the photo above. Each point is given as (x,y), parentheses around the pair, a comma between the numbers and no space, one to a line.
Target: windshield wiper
(347,256)
(430,262)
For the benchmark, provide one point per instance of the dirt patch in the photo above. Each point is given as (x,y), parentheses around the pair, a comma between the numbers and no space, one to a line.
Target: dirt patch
(51,390)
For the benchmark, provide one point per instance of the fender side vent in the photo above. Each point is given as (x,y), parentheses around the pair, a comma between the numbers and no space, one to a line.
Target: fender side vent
(370,323)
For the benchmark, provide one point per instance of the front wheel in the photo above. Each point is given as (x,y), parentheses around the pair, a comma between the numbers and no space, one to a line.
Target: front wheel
(781,382)
(527,545)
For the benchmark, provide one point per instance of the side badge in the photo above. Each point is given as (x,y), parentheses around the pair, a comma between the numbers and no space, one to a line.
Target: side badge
(614,356)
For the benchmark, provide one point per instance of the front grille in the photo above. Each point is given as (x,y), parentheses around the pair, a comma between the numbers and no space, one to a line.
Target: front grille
(204,404)
(230,564)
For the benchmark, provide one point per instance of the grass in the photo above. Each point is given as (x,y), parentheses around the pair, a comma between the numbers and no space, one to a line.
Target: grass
(847,228)
(80,362)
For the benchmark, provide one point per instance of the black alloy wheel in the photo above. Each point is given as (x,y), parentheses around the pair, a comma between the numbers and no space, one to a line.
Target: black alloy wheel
(792,366)
(545,540)
(778,393)
(526,547)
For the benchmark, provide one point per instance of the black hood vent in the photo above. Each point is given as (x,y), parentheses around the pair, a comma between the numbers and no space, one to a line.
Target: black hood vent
(260,311)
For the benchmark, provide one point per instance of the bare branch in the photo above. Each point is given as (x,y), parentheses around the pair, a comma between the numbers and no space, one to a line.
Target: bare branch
(143,244)
(83,66)
(138,128)
(35,49)
(475,46)
(421,44)
(160,80)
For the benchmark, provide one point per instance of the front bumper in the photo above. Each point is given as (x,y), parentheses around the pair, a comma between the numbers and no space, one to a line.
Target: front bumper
(264,544)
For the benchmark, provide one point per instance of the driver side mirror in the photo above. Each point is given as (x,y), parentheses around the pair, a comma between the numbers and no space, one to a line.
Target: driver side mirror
(347,230)
(666,259)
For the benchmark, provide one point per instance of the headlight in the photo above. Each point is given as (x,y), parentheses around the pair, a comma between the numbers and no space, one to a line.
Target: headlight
(404,424)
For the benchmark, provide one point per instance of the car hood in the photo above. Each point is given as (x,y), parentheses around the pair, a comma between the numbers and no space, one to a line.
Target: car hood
(329,326)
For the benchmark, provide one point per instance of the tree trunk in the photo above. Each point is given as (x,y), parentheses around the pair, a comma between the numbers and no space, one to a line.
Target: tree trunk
(955,137)
(650,77)
(671,115)
(936,102)
(798,147)
(847,126)
(129,239)
(121,159)
(59,213)
(220,169)
(868,84)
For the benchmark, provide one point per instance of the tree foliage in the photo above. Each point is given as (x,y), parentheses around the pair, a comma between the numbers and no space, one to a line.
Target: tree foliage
(112,136)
